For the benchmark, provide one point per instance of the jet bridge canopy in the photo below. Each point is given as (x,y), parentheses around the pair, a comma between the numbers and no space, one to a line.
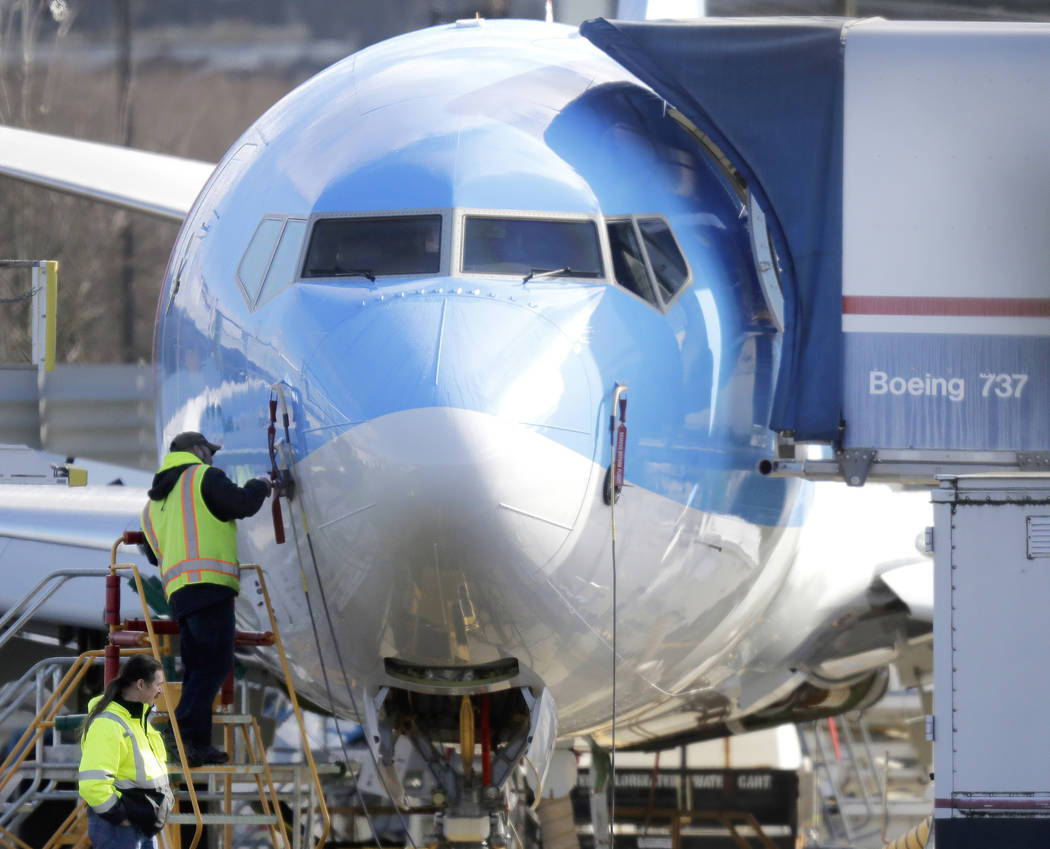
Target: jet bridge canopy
(903,171)
(769,94)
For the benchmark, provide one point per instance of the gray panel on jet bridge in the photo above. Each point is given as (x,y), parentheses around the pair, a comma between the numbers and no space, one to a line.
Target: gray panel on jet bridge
(768,92)
(946,224)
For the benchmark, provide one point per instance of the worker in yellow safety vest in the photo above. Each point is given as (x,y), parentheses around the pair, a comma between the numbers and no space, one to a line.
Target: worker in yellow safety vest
(189,524)
(123,776)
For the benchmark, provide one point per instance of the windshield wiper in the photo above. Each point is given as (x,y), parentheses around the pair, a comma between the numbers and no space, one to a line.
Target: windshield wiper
(358,272)
(546,272)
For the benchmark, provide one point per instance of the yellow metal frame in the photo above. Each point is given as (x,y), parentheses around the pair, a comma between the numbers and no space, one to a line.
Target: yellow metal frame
(50,312)
(279,645)
(73,831)
(10,840)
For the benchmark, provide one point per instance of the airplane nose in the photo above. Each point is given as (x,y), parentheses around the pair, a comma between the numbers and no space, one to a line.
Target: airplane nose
(457,428)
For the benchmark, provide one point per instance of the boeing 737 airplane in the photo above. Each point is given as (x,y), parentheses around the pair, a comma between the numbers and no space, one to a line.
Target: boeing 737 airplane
(457,262)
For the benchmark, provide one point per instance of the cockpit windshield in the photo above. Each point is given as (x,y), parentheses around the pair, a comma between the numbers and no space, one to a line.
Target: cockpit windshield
(368,247)
(531,246)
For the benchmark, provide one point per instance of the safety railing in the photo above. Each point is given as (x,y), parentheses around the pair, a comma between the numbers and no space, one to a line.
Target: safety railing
(38,597)
(856,810)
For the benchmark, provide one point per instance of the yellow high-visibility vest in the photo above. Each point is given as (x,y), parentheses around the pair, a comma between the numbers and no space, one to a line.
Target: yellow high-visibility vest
(119,752)
(192,546)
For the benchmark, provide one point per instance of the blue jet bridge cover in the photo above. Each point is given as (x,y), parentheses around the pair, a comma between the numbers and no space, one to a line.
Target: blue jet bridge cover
(769,93)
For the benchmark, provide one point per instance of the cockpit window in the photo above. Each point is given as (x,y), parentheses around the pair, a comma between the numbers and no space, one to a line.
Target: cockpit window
(282,267)
(628,262)
(524,246)
(268,264)
(257,257)
(646,258)
(370,247)
(666,259)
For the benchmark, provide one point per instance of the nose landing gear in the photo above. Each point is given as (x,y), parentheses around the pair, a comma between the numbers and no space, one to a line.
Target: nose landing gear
(470,744)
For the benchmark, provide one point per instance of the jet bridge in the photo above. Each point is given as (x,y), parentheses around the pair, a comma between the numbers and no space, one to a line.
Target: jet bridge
(896,178)
(896,174)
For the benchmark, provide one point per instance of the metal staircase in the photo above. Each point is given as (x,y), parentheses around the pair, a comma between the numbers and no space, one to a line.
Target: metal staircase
(848,777)
(285,801)
(869,777)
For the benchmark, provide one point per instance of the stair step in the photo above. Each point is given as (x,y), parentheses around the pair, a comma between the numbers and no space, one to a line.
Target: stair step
(217,769)
(220,718)
(219,795)
(223,819)
(232,718)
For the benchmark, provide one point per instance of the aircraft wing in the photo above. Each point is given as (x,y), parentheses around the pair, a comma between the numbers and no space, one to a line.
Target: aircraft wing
(47,528)
(155,183)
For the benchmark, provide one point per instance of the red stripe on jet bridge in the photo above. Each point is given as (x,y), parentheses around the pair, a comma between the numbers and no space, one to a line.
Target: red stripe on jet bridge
(890,305)
(984,803)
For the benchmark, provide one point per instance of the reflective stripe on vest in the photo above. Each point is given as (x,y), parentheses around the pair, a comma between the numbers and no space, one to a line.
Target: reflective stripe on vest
(111,802)
(196,571)
(189,512)
(151,535)
(142,778)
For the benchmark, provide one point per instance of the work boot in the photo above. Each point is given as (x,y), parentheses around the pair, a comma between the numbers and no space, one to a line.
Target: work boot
(206,756)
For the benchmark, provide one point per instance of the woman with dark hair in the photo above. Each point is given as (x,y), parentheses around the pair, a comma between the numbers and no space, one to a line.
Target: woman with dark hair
(123,776)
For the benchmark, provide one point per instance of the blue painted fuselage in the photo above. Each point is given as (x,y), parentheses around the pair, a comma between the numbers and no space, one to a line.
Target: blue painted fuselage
(449,432)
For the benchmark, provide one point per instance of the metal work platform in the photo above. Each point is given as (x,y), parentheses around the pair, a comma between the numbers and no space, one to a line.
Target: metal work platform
(286,801)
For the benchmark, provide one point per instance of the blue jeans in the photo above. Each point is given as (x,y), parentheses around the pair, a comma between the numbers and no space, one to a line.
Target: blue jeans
(207,637)
(105,835)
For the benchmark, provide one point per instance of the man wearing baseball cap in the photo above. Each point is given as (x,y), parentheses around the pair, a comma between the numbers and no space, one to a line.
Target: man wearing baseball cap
(189,524)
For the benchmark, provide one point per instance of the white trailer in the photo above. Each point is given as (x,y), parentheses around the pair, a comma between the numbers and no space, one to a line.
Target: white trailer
(991,634)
